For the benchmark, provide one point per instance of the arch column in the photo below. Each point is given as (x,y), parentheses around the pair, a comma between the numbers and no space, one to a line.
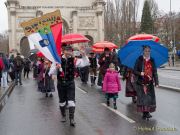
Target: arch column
(11,6)
(100,25)
(75,21)
(13,30)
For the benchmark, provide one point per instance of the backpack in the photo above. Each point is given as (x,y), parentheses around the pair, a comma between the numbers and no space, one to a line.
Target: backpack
(18,63)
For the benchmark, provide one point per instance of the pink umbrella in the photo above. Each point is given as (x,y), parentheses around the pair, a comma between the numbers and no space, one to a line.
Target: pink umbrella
(74,38)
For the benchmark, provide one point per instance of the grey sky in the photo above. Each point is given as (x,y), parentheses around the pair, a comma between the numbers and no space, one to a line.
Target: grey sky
(162,4)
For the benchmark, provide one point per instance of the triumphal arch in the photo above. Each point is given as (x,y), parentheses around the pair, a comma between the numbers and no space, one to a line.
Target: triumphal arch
(79,16)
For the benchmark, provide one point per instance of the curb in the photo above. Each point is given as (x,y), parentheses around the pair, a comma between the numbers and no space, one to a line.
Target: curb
(169,69)
(170,88)
(6,95)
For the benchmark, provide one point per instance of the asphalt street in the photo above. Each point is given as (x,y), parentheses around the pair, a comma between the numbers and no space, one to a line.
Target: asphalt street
(29,112)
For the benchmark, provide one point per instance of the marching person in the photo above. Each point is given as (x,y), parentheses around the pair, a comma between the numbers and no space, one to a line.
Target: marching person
(93,68)
(111,84)
(104,61)
(48,80)
(128,75)
(27,66)
(146,73)
(40,78)
(66,84)
(18,66)
(83,64)
(5,72)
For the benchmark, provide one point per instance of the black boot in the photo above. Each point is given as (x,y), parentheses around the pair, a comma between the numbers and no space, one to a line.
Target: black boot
(134,100)
(148,115)
(115,106)
(71,116)
(107,102)
(92,80)
(63,113)
(144,115)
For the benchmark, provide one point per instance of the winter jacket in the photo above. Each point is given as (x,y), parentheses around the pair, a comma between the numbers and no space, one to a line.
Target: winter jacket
(111,83)
(104,64)
(139,67)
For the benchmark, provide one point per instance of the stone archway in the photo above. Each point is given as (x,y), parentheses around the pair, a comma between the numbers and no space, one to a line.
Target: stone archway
(91,40)
(65,28)
(24,47)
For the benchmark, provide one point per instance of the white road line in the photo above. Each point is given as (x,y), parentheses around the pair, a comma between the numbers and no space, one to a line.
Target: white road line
(83,91)
(118,113)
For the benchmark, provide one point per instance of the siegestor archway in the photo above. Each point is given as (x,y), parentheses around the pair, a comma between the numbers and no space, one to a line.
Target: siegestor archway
(65,28)
(91,40)
(24,47)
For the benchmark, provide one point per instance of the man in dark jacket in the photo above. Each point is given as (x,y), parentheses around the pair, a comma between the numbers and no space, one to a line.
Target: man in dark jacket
(66,85)
(104,60)
(18,66)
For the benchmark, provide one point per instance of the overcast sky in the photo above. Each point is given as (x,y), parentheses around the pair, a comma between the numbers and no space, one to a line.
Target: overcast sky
(162,4)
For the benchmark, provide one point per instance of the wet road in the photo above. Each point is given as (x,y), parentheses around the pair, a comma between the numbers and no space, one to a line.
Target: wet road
(169,78)
(28,112)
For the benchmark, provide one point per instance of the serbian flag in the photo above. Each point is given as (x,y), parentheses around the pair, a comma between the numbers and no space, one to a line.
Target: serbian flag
(48,41)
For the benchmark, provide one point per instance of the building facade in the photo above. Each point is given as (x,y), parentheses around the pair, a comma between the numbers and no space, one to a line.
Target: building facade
(79,16)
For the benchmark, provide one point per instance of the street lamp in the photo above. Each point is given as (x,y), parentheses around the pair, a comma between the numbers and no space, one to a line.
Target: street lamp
(172,37)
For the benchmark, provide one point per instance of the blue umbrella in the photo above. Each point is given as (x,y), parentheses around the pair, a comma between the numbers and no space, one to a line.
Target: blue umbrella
(131,51)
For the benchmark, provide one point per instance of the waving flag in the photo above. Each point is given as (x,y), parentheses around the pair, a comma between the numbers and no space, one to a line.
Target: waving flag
(46,32)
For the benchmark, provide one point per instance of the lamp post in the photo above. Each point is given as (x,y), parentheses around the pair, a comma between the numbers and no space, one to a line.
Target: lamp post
(172,37)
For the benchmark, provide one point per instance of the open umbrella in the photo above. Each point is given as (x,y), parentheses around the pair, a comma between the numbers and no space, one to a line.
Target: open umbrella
(95,50)
(104,44)
(144,37)
(74,38)
(129,53)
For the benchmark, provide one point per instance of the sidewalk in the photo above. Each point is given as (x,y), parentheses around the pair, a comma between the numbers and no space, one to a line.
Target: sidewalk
(175,68)
(5,93)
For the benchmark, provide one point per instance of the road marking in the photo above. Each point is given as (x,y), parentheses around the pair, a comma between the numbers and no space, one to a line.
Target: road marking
(118,113)
(169,87)
(83,91)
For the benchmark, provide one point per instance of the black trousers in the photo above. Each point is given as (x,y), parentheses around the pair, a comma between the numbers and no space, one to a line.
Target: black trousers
(26,72)
(66,92)
(84,74)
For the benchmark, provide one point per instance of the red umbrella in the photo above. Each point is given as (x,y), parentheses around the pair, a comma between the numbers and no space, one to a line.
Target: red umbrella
(39,54)
(74,38)
(144,37)
(104,44)
(95,50)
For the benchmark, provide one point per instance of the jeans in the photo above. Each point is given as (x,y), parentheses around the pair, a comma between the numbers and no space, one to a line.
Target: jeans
(4,79)
(18,76)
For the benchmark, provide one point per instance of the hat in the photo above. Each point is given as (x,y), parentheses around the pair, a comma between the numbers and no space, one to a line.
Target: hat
(91,53)
(106,49)
(68,48)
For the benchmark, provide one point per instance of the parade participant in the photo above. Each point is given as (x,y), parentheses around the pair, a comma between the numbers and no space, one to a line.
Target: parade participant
(35,69)
(40,78)
(11,68)
(111,84)
(104,60)
(48,80)
(93,68)
(5,72)
(83,64)
(146,73)
(129,76)
(18,66)
(27,66)
(66,84)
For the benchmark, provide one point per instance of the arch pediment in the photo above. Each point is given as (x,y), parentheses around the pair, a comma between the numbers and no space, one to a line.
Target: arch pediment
(56,2)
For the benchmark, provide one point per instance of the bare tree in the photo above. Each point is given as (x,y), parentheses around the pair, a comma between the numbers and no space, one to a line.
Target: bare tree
(4,40)
(120,20)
